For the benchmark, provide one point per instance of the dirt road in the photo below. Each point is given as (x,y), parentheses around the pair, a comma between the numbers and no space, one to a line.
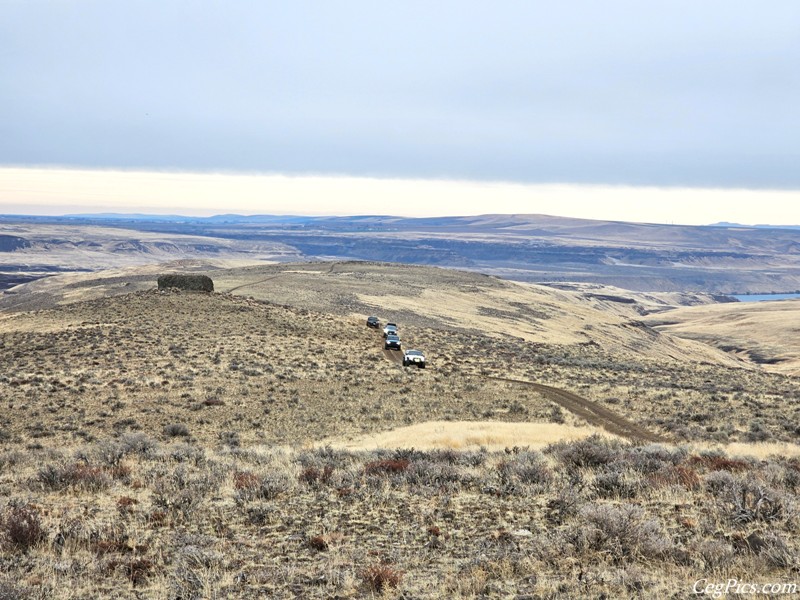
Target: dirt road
(590,411)
(394,355)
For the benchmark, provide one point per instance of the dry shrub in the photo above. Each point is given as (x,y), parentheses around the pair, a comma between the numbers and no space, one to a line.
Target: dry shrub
(21,528)
(778,554)
(157,518)
(81,476)
(137,443)
(125,504)
(182,491)
(386,466)
(176,430)
(528,468)
(651,458)
(137,570)
(318,542)
(592,452)
(745,501)
(312,475)
(623,531)
(675,475)
(441,475)
(718,462)
(716,554)
(381,577)
(119,472)
(267,487)
(9,591)
(565,503)
(245,480)
(614,484)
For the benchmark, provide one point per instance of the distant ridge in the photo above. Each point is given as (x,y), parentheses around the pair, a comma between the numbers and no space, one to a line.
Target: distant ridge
(492,220)
(758,226)
(724,258)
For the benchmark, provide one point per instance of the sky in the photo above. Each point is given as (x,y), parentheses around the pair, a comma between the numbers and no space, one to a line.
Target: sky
(603,101)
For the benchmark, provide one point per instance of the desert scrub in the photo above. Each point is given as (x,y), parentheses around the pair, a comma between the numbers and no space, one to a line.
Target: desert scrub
(21,527)
(269,486)
(591,452)
(77,476)
(179,490)
(176,430)
(379,578)
(525,472)
(621,531)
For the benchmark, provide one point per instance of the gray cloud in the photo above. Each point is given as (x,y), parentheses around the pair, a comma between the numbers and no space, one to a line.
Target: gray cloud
(667,93)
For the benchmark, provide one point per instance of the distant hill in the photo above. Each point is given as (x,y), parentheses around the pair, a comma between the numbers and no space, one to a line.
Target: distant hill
(761,226)
(718,259)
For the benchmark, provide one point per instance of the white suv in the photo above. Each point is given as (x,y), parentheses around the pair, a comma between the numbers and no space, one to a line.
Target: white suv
(414,357)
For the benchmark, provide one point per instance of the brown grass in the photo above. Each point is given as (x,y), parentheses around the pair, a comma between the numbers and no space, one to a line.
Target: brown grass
(459,485)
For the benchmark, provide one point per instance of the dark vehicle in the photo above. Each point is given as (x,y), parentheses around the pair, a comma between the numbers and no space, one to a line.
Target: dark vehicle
(392,342)
(390,329)
(414,357)
(373,322)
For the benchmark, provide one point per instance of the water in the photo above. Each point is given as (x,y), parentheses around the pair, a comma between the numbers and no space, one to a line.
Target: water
(765,297)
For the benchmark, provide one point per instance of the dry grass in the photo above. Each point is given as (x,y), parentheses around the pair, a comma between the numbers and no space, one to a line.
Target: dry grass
(466,435)
(167,445)
(758,331)
(578,519)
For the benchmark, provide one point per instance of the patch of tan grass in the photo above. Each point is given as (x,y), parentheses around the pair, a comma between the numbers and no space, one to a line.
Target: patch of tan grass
(463,435)
(761,450)
(466,435)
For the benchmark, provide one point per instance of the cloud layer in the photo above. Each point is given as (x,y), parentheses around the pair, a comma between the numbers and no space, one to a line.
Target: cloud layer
(678,93)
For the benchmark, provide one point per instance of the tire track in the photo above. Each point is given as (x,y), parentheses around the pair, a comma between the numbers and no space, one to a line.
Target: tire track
(590,411)
(395,356)
(244,285)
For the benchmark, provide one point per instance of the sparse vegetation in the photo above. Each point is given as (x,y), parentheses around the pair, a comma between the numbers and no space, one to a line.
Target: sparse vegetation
(138,466)
(242,523)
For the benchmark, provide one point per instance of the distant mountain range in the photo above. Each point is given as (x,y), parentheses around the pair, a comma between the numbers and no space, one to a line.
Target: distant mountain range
(722,258)
(760,226)
(236,218)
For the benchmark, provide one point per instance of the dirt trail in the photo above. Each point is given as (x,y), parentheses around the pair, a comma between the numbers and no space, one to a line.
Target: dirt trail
(393,355)
(590,411)
(238,287)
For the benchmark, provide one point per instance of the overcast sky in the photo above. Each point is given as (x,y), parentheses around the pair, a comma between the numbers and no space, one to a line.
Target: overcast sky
(682,94)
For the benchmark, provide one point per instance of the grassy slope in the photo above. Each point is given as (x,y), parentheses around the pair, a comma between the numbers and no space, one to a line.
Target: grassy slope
(142,431)
(763,332)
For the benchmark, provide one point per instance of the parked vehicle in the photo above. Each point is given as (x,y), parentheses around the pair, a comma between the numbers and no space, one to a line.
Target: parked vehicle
(390,329)
(373,322)
(414,357)
(392,342)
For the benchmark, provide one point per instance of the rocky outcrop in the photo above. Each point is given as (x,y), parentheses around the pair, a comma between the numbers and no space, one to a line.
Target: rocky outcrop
(191,283)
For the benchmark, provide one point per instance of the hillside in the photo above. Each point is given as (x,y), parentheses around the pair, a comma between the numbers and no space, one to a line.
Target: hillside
(258,441)
(275,329)
(765,333)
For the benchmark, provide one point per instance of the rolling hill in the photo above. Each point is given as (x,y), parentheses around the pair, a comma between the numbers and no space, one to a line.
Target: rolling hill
(259,441)
(532,248)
